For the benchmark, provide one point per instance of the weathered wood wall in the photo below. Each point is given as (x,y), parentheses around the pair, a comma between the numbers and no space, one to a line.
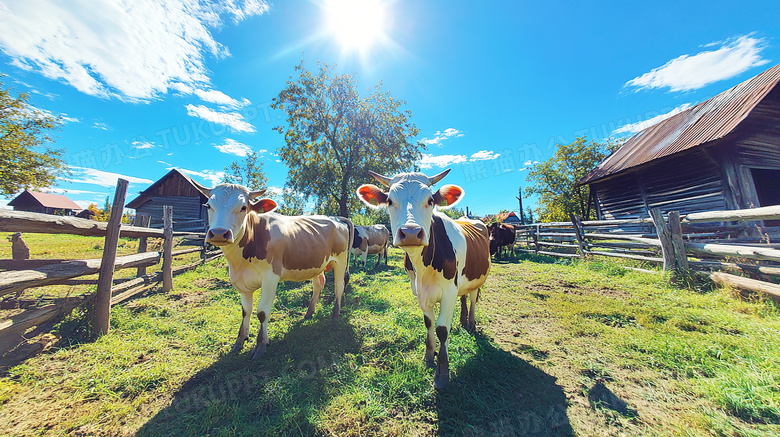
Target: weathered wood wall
(190,214)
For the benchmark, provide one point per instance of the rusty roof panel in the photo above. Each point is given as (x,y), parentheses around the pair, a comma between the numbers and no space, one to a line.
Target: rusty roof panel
(700,124)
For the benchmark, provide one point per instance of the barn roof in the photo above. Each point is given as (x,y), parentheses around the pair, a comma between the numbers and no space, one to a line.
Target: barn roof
(502,216)
(157,188)
(46,200)
(696,126)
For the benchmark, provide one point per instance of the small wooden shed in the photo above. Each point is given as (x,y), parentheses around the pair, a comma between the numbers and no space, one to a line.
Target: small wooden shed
(722,154)
(175,189)
(46,203)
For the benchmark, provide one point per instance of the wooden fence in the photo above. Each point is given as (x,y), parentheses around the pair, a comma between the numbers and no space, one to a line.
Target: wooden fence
(714,241)
(20,275)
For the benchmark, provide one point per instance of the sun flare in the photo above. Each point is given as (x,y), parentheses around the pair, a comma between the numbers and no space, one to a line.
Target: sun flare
(356,24)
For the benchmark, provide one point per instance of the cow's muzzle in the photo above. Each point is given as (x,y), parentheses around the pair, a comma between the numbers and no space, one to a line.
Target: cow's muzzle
(411,236)
(219,236)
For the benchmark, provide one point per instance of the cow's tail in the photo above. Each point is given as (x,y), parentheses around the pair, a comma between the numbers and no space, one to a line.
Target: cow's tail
(351,227)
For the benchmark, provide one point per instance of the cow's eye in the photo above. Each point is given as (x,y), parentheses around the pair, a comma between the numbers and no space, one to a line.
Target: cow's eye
(243,209)
(389,202)
(430,201)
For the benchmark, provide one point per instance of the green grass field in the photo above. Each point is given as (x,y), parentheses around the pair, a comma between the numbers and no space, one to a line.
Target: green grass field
(587,349)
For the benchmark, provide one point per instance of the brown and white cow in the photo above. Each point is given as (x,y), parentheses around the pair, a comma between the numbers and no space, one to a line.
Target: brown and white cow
(371,240)
(501,236)
(445,259)
(263,248)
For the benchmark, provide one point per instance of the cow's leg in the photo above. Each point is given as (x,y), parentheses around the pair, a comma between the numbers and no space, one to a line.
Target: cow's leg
(441,377)
(385,251)
(364,257)
(464,309)
(430,340)
(246,314)
(339,280)
(267,295)
(378,259)
(317,284)
(472,312)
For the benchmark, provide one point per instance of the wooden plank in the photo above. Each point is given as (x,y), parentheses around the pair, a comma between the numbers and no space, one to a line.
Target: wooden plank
(101,317)
(647,241)
(168,248)
(142,220)
(763,213)
(575,221)
(185,251)
(11,329)
(571,246)
(32,222)
(714,265)
(772,290)
(11,282)
(750,252)
(675,230)
(667,249)
(565,255)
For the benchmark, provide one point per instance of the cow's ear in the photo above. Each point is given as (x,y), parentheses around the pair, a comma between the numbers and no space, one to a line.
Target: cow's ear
(447,196)
(372,196)
(263,205)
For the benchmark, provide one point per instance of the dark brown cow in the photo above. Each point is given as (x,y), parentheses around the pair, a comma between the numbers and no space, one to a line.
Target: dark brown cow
(501,235)
(263,248)
(371,240)
(445,259)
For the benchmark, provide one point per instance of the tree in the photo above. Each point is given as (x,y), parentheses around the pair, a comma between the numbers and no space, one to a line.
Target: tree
(25,161)
(292,203)
(334,136)
(554,180)
(248,173)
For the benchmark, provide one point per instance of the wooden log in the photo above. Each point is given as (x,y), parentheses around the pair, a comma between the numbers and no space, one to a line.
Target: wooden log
(620,255)
(11,329)
(185,251)
(771,290)
(33,222)
(750,252)
(667,249)
(763,213)
(716,265)
(625,245)
(675,230)
(647,241)
(597,223)
(142,220)
(565,255)
(168,248)
(570,246)
(101,317)
(575,221)
(52,274)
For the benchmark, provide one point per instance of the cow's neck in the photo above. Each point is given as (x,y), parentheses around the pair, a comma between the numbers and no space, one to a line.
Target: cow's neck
(237,252)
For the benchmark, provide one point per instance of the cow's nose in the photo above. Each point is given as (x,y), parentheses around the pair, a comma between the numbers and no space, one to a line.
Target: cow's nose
(411,235)
(219,236)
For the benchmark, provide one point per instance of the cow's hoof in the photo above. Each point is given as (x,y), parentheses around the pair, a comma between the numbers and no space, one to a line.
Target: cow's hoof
(237,347)
(308,315)
(259,352)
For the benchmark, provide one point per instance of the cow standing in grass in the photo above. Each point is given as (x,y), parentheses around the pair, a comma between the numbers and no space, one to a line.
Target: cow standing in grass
(445,259)
(501,236)
(263,248)
(371,240)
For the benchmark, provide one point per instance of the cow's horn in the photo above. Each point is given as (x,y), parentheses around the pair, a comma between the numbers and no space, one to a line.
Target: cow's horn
(203,190)
(433,179)
(384,180)
(255,194)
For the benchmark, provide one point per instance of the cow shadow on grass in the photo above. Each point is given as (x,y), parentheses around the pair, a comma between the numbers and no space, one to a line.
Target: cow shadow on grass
(497,393)
(280,393)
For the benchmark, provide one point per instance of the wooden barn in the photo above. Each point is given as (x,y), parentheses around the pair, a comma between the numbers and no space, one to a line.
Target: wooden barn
(175,189)
(722,154)
(509,218)
(46,203)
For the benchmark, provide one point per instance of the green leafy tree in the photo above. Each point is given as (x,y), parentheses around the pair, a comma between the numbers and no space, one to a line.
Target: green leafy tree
(554,180)
(248,173)
(25,160)
(334,136)
(454,213)
(292,202)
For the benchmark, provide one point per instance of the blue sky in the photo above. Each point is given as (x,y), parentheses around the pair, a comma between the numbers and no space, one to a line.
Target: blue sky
(492,86)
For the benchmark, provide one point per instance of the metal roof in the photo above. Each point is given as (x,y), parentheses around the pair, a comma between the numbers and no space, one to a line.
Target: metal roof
(46,200)
(698,125)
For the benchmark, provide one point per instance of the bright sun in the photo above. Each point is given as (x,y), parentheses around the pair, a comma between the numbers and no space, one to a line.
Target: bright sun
(356,24)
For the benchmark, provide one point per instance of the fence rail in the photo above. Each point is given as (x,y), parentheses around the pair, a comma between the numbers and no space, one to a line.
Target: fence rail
(20,275)
(678,242)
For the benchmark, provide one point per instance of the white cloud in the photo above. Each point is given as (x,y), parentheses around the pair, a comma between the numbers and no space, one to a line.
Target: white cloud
(165,163)
(633,128)
(233,120)
(85,175)
(132,50)
(99,125)
(690,72)
(428,161)
(233,147)
(143,145)
(484,155)
(441,136)
(214,177)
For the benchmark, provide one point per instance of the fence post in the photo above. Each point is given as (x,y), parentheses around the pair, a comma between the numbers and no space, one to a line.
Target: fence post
(681,257)
(667,248)
(536,240)
(101,318)
(168,248)
(576,224)
(143,221)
